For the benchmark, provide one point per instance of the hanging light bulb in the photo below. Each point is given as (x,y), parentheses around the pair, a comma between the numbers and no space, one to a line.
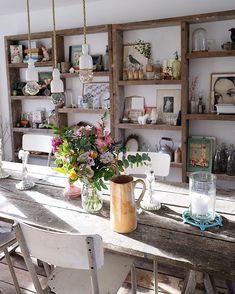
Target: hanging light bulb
(57,86)
(31,76)
(85,60)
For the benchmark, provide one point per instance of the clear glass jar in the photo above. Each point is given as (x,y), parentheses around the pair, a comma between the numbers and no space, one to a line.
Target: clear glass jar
(199,40)
(91,198)
(202,192)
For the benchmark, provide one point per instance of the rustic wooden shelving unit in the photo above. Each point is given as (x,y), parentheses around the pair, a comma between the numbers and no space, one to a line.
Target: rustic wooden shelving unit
(117,85)
(13,74)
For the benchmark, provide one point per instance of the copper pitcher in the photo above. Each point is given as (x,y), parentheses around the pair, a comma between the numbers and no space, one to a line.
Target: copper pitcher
(123,204)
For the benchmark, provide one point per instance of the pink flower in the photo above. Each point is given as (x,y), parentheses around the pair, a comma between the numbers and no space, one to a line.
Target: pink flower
(99,132)
(101,145)
(56,142)
(107,138)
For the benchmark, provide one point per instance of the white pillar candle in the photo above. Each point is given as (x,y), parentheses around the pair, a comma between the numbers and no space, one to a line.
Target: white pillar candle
(199,204)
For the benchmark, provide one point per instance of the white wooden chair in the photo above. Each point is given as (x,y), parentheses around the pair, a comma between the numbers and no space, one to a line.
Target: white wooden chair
(38,143)
(80,263)
(7,239)
(160,164)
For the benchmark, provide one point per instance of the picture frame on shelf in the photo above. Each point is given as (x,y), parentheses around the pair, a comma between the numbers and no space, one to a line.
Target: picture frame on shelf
(132,143)
(222,89)
(132,57)
(134,107)
(16,53)
(99,93)
(97,62)
(44,79)
(168,102)
(199,154)
(75,52)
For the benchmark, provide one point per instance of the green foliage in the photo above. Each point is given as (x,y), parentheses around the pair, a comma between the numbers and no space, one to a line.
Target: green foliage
(143,48)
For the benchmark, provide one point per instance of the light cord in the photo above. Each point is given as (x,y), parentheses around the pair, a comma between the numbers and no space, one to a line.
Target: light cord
(29,30)
(84,21)
(54,35)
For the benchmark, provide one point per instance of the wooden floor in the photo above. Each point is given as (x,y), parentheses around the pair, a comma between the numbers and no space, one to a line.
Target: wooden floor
(170,279)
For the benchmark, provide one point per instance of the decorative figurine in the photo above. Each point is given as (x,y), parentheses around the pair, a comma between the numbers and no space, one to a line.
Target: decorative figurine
(153,116)
(45,54)
(25,184)
(142,120)
(232,30)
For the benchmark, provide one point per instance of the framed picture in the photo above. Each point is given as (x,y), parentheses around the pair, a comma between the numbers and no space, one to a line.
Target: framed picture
(168,101)
(132,57)
(97,62)
(45,77)
(99,93)
(134,107)
(199,154)
(16,53)
(222,89)
(74,53)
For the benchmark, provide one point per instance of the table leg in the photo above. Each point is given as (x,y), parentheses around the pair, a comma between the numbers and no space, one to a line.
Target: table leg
(209,284)
(190,282)
(155,274)
(133,279)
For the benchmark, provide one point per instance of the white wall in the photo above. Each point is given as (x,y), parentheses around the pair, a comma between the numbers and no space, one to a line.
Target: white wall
(113,11)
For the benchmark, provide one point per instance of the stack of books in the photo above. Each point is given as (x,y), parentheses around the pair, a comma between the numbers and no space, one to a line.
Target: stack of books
(36,54)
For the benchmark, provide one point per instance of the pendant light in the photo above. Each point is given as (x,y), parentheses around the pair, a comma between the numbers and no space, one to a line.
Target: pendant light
(85,60)
(57,86)
(31,76)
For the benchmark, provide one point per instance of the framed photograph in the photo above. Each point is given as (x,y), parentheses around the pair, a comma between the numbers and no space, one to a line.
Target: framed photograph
(97,62)
(45,77)
(199,154)
(168,101)
(222,89)
(16,53)
(132,57)
(99,93)
(74,53)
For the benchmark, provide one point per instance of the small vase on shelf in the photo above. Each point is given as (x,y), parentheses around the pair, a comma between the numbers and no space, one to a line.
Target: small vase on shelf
(91,198)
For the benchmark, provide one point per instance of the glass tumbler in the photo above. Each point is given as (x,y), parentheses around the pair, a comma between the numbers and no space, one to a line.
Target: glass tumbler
(202,192)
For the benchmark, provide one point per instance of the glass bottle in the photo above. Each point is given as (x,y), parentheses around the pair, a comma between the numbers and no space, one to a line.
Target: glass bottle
(176,67)
(141,72)
(200,105)
(106,59)
(224,158)
(230,170)
(193,105)
(199,40)
(217,160)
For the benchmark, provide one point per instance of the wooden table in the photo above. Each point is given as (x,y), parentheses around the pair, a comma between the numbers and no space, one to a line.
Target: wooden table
(159,236)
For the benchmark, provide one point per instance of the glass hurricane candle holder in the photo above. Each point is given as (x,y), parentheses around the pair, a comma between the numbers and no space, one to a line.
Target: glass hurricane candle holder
(3,174)
(202,192)
(199,40)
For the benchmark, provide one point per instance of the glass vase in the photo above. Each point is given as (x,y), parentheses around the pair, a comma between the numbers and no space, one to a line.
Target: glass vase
(91,198)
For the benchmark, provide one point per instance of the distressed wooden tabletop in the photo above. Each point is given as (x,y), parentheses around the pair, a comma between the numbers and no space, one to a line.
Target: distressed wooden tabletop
(160,235)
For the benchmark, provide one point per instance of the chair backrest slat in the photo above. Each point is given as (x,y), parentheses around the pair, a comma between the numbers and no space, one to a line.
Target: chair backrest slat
(61,249)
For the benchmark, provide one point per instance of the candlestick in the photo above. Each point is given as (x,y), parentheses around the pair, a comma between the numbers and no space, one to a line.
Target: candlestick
(25,184)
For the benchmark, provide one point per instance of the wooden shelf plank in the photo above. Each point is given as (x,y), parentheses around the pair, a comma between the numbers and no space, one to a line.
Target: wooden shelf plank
(176,165)
(32,130)
(37,64)
(76,75)
(81,110)
(149,127)
(208,54)
(30,97)
(149,82)
(210,116)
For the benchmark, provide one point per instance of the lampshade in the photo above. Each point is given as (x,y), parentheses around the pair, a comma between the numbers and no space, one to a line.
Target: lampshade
(31,74)
(57,85)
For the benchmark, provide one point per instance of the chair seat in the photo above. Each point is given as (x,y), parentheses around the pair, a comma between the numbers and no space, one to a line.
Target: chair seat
(110,277)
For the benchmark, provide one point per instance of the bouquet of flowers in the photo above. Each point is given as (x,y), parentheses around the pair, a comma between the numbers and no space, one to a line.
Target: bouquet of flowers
(89,154)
